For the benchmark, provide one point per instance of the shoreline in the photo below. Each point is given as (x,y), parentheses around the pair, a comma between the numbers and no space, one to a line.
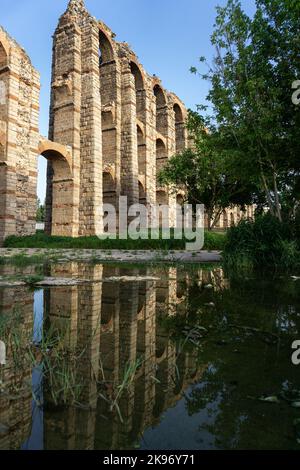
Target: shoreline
(120,256)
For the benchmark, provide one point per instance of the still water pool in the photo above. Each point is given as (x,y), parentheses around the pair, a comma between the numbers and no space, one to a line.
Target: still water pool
(149,358)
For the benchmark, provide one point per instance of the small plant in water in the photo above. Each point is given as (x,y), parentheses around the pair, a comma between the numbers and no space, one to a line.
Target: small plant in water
(130,371)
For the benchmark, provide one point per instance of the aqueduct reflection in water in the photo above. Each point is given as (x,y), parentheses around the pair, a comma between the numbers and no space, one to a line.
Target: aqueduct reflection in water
(111,325)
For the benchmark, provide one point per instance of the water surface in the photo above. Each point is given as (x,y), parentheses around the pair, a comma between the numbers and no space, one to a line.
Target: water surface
(167,358)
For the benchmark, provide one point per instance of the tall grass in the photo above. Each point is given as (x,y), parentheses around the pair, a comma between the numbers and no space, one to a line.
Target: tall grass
(263,243)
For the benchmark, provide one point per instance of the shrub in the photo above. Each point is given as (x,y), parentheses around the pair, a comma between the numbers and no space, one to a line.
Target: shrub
(261,243)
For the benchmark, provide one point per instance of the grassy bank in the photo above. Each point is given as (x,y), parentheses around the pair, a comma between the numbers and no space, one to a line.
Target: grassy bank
(213,241)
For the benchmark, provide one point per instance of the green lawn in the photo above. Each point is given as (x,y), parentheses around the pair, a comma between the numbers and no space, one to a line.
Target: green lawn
(213,241)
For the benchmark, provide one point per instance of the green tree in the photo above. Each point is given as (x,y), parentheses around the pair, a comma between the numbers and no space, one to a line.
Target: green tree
(256,63)
(207,171)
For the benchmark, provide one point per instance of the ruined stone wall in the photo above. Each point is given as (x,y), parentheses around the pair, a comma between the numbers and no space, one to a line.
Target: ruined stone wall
(119,121)
(19,137)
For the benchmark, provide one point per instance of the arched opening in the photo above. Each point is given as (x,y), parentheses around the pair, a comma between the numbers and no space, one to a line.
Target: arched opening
(109,189)
(180,200)
(41,195)
(107,119)
(161,197)
(142,195)
(160,97)
(178,114)
(179,129)
(139,91)
(108,137)
(161,111)
(163,200)
(105,49)
(109,97)
(141,152)
(138,77)
(161,155)
(109,194)
(59,210)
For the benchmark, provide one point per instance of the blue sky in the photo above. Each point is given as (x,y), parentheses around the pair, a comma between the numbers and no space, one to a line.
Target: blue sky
(167,35)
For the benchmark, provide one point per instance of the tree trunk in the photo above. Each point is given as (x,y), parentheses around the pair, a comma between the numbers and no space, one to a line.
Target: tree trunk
(277,202)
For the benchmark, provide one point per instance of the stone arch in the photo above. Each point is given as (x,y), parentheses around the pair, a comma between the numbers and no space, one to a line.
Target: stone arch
(138,76)
(161,100)
(161,155)
(178,113)
(162,199)
(109,98)
(106,51)
(142,194)
(59,156)
(141,151)
(161,111)
(107,119)
(109,188)
(109,193)
(180,200)
(179,128)
(60,204)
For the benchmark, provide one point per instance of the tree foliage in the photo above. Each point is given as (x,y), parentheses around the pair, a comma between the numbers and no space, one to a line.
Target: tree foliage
(208,172)
(253,123)
(256,63)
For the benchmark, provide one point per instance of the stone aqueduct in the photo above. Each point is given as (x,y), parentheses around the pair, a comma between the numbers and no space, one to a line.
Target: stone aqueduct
(112,127)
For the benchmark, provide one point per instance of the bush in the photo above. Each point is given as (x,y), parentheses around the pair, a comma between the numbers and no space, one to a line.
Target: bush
(265,242)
